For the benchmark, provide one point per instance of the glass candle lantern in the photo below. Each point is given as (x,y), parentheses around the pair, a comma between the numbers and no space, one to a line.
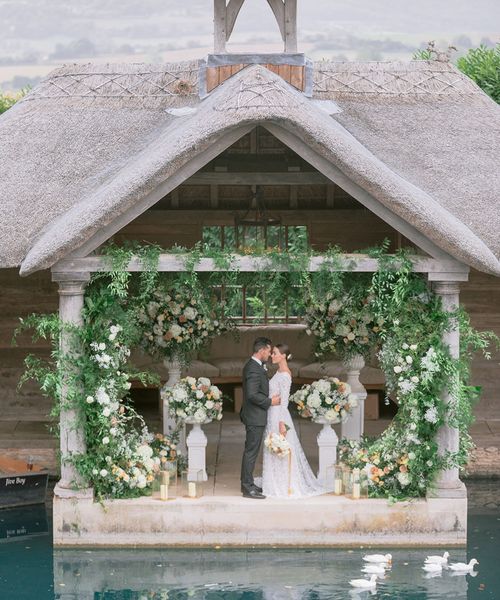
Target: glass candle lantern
(347,480)
(356,484)
(166,481)
(192,484)
(338,483)
(364,481)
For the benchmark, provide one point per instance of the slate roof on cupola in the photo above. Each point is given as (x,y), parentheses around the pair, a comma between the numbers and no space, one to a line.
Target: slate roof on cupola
(91,140)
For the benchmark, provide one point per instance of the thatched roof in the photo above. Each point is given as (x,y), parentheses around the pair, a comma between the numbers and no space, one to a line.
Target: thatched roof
(91,141)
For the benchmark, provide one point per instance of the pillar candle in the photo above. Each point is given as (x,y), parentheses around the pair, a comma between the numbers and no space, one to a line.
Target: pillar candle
(163,492)
(192,489)
(356,491)
(338,487)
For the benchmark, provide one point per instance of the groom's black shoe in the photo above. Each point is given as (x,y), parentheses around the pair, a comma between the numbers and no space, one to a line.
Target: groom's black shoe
(253,493)
(256,487)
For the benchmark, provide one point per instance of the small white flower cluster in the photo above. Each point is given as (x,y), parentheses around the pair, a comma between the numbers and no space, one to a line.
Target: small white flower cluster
(194,400)
(277,444)
(327,398)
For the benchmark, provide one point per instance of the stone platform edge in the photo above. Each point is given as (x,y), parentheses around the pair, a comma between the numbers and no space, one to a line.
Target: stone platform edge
(232,521)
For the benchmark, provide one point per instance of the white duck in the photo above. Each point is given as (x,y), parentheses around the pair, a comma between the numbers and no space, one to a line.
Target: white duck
(464,567)
(441,560)
(379,569)
(433,567)
(365,584)
(378,558)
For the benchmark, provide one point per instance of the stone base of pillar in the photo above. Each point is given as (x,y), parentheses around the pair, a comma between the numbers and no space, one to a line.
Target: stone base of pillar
(457,490)
(79,494)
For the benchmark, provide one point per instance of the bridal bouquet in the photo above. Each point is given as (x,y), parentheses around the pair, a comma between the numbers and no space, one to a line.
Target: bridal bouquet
(277,444)
(178,322)
(194,400)
(326,399)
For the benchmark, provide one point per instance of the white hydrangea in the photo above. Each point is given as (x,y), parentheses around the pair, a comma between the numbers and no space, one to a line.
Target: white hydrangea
(175,330)
(209,404)
(102,396)
(199,394)
(314,401)
(204,381)
(200,415)
(190,313)
(403,478)
(106,412)
(431,415)
(145,452)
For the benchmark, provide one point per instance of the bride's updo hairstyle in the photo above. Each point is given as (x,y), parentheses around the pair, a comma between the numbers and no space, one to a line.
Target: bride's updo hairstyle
(284,349)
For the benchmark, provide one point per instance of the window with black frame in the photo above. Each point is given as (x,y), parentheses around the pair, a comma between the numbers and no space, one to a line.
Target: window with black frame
(249,304)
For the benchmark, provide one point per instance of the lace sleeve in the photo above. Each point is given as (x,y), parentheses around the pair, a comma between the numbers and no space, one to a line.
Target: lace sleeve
(285,384)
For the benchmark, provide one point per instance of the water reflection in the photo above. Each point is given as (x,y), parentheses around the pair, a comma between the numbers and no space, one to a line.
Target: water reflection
(238,574)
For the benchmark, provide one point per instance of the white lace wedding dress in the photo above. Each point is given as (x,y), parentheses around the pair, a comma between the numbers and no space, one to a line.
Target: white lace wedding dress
(277,478)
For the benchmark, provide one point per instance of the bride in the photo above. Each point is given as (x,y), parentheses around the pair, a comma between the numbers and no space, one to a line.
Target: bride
(282,477)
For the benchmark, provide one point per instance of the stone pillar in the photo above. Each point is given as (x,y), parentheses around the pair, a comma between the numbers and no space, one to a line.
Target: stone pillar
(448,484)
(327,445)
(170,423)
(197,453)
(72,436)
(353,428)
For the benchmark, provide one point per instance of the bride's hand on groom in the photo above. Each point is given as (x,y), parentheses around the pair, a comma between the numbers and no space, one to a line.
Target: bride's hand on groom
(276,400)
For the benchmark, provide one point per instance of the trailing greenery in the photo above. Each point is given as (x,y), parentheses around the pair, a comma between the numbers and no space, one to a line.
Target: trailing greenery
(391,315)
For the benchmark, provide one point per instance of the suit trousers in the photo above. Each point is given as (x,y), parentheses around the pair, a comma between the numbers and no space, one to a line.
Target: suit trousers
(253,441)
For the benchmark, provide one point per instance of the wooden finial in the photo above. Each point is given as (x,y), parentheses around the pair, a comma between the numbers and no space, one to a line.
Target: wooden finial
(226,13)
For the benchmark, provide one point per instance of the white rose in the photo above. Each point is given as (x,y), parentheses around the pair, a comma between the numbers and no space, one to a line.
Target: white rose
(106,412)
(191,380)
(89,400)
(397,369)
(200,415)
(105,440)
(414,379)
(204,381)
(219,416)
(209,404)
(103,472)
(413,347)
(409,359)
(405,346)
(113,431)
(175,330)
(403,478)
(190,313)
(199,394)
(95,471)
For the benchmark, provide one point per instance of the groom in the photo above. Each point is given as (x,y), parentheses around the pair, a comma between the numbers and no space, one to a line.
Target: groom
(256,403)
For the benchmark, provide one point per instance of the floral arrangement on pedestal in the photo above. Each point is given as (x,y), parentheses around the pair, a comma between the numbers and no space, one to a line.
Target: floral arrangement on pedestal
(345,326)
(277,444)
(194,400)
(327,399)
(177,322)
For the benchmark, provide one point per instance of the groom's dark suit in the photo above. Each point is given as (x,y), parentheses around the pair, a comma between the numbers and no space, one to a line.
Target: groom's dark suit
(256,403)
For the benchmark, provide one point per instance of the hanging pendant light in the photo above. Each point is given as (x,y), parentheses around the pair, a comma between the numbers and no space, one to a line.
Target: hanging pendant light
(256,217)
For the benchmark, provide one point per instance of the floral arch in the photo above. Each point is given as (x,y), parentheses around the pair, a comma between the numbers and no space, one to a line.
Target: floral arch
(370,304)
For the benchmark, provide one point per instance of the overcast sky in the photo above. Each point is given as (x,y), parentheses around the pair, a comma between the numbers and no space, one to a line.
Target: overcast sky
(36,35)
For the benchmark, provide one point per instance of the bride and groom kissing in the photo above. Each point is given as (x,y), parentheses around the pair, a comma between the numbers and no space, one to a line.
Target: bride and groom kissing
(265,411)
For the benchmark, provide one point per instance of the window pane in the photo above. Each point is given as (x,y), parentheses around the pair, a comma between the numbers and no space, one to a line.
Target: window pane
(229,238)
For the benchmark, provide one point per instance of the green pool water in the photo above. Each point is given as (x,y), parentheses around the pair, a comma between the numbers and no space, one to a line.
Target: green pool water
(31,569)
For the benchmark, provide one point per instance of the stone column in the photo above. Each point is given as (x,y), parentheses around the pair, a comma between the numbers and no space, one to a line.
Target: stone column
(72,436)
(353,428)
(448,484)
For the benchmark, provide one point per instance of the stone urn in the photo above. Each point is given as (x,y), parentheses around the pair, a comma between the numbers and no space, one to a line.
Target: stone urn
(170,423)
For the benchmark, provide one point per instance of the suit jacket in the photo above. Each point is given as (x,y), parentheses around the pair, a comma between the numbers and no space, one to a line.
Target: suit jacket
(256,401)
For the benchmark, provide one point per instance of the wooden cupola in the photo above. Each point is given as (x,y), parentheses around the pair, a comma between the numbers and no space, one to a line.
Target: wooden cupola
(292,66)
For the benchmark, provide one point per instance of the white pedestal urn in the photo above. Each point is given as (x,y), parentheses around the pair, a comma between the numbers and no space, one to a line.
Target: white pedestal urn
(197,450)
(327,446)
(173,367)
(353,427)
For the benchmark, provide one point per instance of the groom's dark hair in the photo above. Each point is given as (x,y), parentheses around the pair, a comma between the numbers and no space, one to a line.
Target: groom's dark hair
(261,342)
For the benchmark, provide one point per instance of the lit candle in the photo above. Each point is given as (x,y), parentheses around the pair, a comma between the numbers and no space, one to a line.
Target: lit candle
(356,491)
(192,489)
(163,492)
(338,487)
